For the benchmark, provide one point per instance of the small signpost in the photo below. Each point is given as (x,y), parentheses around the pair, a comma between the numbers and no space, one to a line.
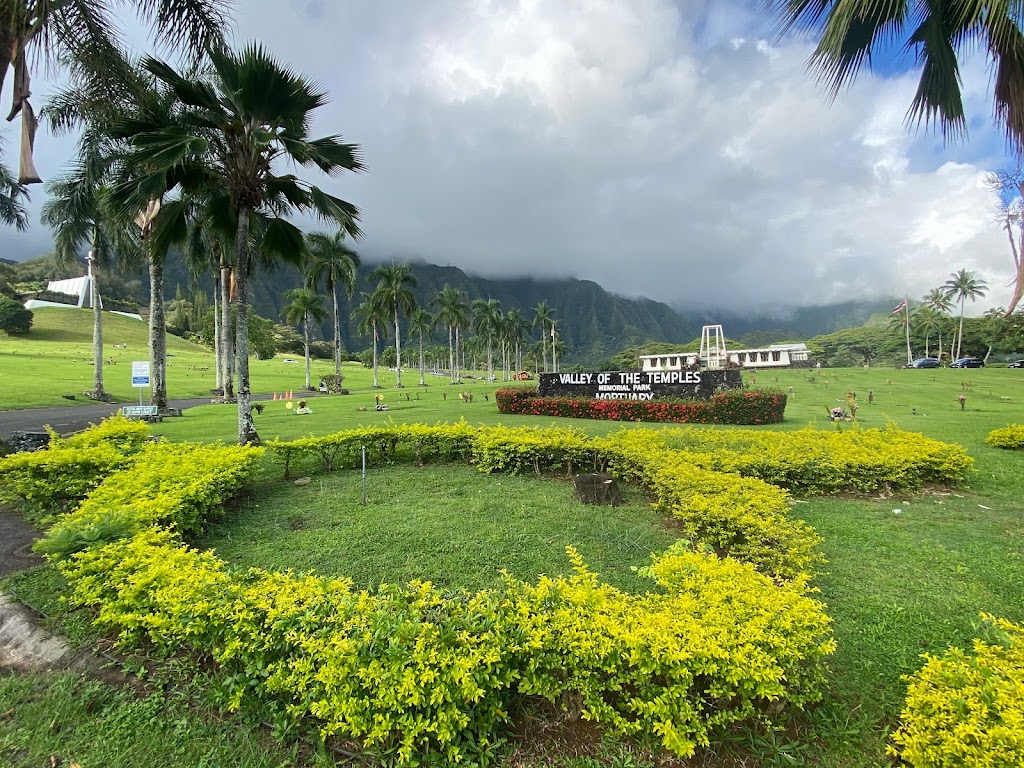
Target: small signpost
(140,376)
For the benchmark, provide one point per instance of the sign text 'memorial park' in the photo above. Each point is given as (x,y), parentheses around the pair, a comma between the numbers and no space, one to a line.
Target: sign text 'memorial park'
(637,385)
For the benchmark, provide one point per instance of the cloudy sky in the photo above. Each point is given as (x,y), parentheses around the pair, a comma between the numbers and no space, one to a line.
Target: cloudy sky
(673,150)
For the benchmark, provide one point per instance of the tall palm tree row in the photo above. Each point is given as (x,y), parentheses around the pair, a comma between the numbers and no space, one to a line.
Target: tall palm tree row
(239,121)
(849,32)
(453,313)
(304,306)
(963,285)
(395,283)
(331,261)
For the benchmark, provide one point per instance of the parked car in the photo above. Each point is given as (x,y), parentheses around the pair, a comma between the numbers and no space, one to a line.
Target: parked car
(968,362)
(925,362)
(1016,364)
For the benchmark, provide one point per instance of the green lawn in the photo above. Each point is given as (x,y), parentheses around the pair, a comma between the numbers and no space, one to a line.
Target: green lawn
(55,359)
(447,524)
(898,583)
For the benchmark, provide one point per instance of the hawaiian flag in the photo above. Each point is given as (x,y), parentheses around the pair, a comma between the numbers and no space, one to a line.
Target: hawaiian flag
(900,307)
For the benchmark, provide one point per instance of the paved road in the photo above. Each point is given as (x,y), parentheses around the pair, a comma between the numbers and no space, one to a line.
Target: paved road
(16,536)
(74,418)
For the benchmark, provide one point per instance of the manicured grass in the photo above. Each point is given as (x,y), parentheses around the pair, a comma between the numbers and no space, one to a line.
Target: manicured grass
(55,359)
(897,584)
(448,524)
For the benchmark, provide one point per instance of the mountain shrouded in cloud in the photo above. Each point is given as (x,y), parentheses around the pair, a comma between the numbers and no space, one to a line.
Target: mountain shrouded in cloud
(669,150)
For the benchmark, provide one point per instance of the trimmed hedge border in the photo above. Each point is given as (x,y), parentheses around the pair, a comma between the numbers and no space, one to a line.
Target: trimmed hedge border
(759,406)
(729,632)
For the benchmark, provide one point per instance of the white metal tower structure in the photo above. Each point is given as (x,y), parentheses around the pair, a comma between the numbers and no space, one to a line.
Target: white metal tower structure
(712,347)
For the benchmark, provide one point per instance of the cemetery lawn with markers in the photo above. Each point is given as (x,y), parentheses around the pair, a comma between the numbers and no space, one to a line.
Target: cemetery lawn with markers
(907,573)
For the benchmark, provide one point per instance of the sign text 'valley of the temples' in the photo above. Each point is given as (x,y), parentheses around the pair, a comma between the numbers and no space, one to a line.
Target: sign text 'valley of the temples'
(637,385)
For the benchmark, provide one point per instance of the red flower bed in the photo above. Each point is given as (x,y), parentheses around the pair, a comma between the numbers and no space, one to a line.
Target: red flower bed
(735,406)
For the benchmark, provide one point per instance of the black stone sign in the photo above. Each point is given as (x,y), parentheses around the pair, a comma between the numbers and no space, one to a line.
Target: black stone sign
(635,385)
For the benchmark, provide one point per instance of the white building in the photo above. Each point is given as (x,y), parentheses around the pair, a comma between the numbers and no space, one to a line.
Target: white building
(714,355)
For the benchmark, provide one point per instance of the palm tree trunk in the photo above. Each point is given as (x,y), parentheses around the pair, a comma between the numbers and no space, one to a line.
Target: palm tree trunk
(217,351)
(423,380)
(458,369)
(544,345)
(305,341)
(157,334)
(490,359)
(337,332)
(960,335)
(451,355)
(246,427)
(226,347)
(376,381)
(398,354)
(97,334)
(940,345)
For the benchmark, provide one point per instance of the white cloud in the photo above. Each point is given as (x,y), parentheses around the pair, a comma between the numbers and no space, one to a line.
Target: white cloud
(660,149)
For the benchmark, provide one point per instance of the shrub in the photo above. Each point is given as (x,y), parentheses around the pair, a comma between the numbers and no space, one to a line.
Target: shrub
(816,461)
(169,485)
(729,407)
(1010,438)
(14,318)
(408,670)
(967,709)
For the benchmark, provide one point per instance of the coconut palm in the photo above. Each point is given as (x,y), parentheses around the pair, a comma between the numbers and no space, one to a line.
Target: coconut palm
(542,315)
(372,316)
(964,285)
(487,320)
(394,285)
(333,262)
(849,32)
(84,35)
(304,306)
(240,121)
(420,323)
(453,313)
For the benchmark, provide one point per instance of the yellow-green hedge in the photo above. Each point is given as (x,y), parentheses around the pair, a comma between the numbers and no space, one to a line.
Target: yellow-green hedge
(409,670)
(824,461)
(966,710)
(728,631)
(52,480)
(1011,438)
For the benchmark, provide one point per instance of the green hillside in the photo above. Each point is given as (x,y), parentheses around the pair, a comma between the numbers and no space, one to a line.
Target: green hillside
(55,359)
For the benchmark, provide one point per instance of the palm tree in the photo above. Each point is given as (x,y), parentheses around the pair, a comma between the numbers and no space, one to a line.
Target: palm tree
(542,315)
(333,262)
(927,320)
(487,325)
(964,285)
(394,284)
(304,306)
(420,322)
(242,120)
(13,197)
(84,35)
(78,217)
(938,300)
(517,326)
(850,31)
(453,312)
(372,314)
